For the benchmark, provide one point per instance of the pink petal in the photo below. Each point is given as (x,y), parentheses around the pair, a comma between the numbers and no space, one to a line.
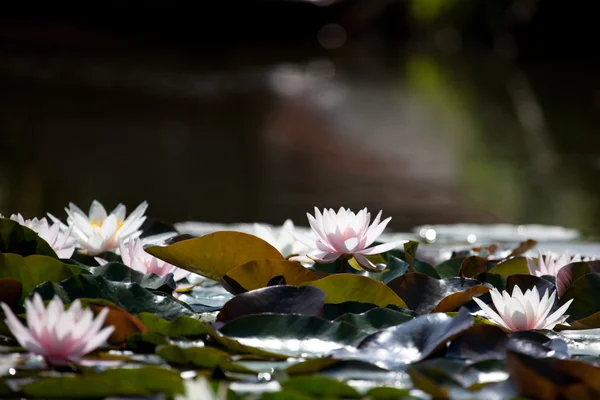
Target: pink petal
(382,248)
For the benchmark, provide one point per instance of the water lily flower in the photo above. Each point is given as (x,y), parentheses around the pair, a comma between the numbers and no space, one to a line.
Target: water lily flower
(346,235)
(57,334)
(100,232)
(281,238)
(523,312)
(134,256)
(200,389)
(62,243)
(550,264)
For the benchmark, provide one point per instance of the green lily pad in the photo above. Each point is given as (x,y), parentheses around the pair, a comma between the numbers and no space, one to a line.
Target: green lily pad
(425,294)
(18,239)
(417,265)
(292,335)
(450,268)
(306,300)
(257,274)
(181,326)
(215,254)
(393,348)
(131,297)
(119,272)
(320,386)
(143,381)
(376,319)
(570,273)
(199,357)
(340,288)
(584,292)
(35,269)
(387,393)
(479,342)
(512,266)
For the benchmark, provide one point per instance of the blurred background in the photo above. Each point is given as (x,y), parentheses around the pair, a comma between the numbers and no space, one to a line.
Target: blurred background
(436,111)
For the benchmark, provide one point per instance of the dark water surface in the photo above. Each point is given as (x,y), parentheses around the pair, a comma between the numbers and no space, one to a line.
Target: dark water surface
(261,134)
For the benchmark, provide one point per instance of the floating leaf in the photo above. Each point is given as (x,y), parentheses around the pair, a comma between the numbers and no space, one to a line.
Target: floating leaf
(450,268)
(199,357)
(537,345)
(307,300)
(551,378)
(376,319)
(424,294)
(119,272)
(497,281)
(513,266)
(34,270)
(311,366)
(528,282)
(11,291)
(215,254)
(570,273)
(341,288)
(143,381)
(387,393)
(584,292)
(182,326)
(479,342)
(415,340)
(472,266)
(320,386)
(131,297)
(292,334)
(257,274)
(523,248)
(125,324)
(417,265)
(18,239)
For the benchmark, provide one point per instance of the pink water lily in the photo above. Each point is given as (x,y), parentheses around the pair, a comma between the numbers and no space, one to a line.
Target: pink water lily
(524,311)
(57,334)
(346,234)
(136,258)
(550,264)
(61,242)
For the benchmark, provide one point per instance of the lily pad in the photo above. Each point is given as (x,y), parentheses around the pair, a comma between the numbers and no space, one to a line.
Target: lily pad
(513,266)
(125,324)
(307,300)
(257,274)
(181,326)
(570,273)
(119,272)
(450,268)
(472,266)
(35,269)
(417,265)
(215,254)
(584,292)
(131,297)
(479,342)
(376,319)
(393,348)
(143,381)
(424,294)
(199,357)
(340,288)
(551,378)
(320,386)
(18,239)
(526,282)
(11,291)
(293,335)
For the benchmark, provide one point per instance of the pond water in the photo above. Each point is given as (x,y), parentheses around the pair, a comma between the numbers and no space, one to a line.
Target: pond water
(262,134)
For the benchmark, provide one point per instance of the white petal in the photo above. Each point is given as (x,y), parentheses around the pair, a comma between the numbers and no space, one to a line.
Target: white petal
(382,248)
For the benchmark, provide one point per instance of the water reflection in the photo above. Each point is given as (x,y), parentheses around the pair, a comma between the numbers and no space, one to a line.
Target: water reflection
(429,138)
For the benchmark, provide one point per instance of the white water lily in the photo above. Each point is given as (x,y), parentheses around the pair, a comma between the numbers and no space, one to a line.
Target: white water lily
(62,243)
(99,232)
(524,311)
(134,256)
(345,234)
(200,389)
(281,238)
(550,264)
